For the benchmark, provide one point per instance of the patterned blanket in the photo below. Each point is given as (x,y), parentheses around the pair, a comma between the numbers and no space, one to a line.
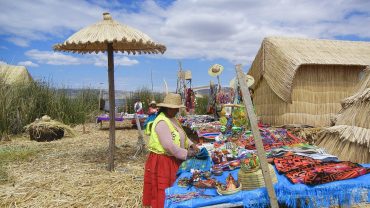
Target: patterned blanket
(300,169)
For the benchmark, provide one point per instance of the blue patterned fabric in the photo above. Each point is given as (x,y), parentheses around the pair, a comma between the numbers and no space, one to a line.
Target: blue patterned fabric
(201,161)
(342,193)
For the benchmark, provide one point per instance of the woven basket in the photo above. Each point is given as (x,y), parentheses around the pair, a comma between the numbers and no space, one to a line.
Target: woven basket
(253,180)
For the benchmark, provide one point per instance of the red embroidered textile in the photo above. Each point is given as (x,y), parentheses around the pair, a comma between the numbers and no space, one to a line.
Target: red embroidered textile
(160,173)
(300,169)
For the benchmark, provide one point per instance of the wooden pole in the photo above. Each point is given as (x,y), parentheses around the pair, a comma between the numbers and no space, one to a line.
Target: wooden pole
(257,137)
(112,121)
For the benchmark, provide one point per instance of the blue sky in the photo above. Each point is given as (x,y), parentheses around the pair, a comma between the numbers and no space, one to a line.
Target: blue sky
(199,33)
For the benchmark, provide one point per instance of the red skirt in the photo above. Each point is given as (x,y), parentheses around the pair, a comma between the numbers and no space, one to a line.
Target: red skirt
(160,173)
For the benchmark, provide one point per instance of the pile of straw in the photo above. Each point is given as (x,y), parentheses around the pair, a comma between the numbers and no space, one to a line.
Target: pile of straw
(46,129)
(72,173)
(349,139)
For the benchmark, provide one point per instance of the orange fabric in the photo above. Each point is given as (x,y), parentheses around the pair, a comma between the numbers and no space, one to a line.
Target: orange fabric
(160,173)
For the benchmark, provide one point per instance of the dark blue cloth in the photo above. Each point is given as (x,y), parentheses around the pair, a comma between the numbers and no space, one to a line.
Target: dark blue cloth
(149,119)
(202,154)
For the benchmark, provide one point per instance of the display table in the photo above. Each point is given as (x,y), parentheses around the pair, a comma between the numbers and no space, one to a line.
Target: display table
(343,193)
(105,117)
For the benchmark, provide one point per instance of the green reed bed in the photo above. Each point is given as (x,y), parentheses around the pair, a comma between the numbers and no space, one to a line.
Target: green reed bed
(145,95)
(21,104)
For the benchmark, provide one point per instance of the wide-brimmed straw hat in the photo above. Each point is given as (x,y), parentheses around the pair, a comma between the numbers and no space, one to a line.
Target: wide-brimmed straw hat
(215,69)
(248,78)
(172,100)
(153,102)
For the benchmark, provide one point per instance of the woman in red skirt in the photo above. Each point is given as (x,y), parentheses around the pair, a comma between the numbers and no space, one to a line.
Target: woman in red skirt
(168,146)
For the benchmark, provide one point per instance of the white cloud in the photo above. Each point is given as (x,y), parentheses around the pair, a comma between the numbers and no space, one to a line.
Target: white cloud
(19,41)
(52,58)
(27,63)
(102,60)
(207,29)
(3,63)
(57,58)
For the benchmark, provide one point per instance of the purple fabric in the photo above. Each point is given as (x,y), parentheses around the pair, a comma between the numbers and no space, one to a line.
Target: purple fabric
(106,118)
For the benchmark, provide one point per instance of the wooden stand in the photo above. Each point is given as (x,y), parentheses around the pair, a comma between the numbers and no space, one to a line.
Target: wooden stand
(257,137)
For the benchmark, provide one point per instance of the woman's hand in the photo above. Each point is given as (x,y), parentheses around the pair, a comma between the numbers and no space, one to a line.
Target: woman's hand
(194,147)
(191,153)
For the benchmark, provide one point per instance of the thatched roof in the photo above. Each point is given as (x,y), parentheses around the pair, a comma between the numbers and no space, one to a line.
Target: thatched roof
(14,74)
(283,56)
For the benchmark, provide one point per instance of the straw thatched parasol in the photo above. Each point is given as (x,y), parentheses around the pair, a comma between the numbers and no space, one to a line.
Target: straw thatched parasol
(111,36)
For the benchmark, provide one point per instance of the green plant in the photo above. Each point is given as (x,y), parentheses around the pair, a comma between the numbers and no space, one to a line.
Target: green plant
(21,104)
(145,95)
(201,105)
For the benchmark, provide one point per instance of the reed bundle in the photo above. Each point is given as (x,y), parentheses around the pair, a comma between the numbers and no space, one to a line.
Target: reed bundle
(48,130)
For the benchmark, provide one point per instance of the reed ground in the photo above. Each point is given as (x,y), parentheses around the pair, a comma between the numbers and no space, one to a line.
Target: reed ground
(71,172)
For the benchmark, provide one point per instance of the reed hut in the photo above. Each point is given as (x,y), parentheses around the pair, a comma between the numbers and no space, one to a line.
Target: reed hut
(349,138)
(11,74)
(302,81)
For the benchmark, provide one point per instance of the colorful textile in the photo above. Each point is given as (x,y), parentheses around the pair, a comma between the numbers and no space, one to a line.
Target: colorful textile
(343,193)
(274,138)
(306,150)
(201,161)
(184,197)
(160,173)
(300,169)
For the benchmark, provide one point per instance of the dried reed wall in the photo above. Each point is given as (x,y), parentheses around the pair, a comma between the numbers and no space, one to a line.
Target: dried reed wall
(349,139)
(316,95)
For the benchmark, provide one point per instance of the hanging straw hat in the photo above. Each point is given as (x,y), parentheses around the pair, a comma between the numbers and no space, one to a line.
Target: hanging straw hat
(172,100)
(248,78)
(215,70)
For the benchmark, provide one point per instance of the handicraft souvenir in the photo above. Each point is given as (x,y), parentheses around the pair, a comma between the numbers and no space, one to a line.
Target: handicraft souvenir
(217,171)
(199,179)
(183,182)
(231,187)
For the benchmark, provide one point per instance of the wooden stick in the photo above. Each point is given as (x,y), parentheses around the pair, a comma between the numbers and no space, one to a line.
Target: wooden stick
(140,140)
(112,120)
(256,134)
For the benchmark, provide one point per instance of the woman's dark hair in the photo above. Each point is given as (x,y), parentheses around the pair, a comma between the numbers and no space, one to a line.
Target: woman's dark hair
(162,110)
